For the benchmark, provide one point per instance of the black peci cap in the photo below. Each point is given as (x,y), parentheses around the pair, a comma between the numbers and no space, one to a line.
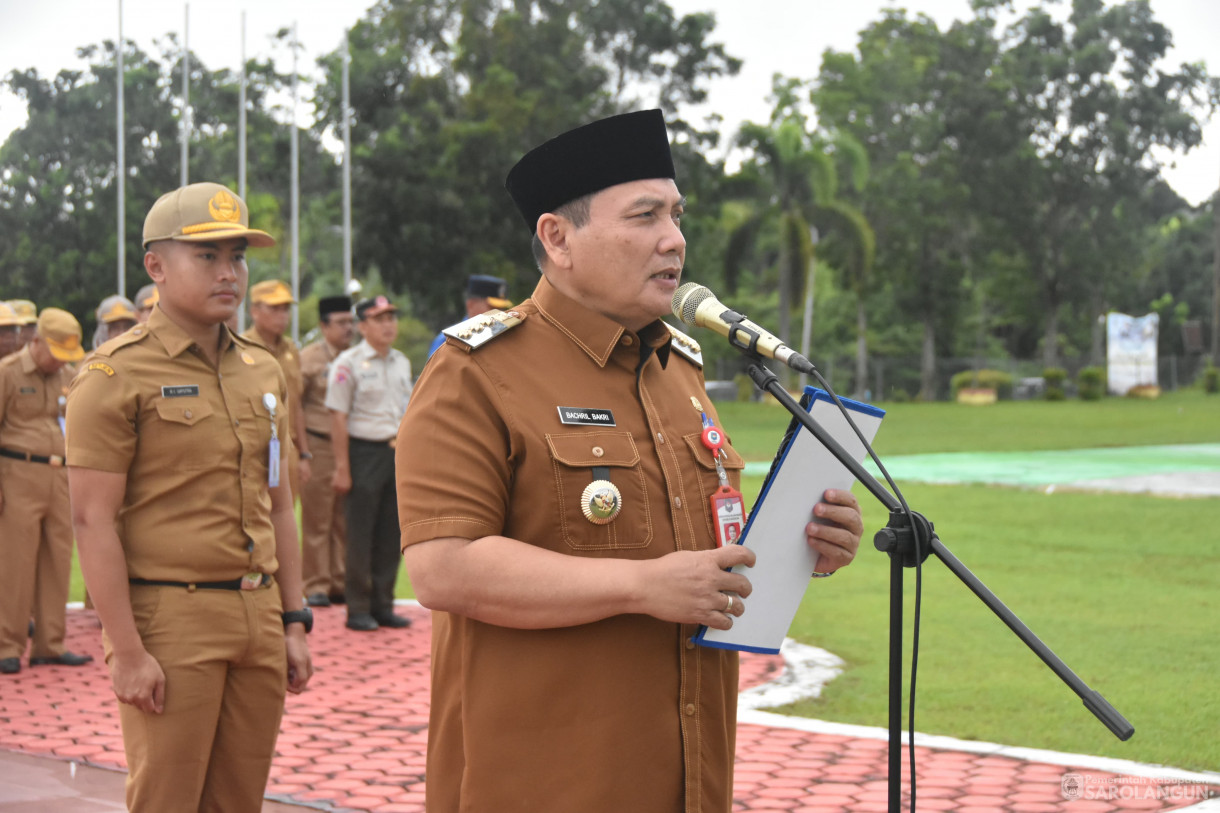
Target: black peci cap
(333,304)
(630,147)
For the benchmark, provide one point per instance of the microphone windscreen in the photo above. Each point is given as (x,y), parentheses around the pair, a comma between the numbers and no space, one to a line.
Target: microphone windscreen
(687,300)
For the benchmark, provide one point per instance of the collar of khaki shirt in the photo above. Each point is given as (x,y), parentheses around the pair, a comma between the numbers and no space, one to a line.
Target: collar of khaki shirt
(174,339)
(596,334)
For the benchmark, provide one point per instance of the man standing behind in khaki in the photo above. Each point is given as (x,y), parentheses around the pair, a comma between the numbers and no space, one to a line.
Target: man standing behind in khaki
(186,530)
(10,330)
(323,525)
(270,311)
(34,527)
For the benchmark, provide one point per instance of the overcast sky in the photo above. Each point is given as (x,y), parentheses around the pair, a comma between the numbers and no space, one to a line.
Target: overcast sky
(785,36)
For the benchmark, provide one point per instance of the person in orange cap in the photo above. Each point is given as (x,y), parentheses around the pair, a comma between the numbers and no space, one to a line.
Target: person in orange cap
(34,506)
(146,297)
(186,529)
(270,312)
(10,330)
(27,315)
(115,315)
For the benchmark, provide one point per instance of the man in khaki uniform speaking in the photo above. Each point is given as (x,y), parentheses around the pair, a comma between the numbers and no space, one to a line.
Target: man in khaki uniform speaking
(554,493)
(177,433)
(270,312)
(35,533)
(323,520)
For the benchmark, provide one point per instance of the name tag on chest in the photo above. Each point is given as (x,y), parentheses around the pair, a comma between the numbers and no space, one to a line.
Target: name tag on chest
(180,391)
(586,416)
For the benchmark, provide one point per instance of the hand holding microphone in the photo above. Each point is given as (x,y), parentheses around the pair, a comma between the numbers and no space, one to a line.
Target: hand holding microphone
(697,306)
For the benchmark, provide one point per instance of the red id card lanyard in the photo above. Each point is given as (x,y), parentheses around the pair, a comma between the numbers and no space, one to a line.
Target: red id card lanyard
(727,506)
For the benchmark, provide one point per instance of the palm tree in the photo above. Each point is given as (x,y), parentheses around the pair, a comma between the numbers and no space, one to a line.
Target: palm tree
(791,182)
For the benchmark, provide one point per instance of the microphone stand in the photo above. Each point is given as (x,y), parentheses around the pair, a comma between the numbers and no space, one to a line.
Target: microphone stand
(908,546)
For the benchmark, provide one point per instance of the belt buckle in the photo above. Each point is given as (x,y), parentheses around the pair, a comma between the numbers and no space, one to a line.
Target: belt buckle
(56,461)
(251,581)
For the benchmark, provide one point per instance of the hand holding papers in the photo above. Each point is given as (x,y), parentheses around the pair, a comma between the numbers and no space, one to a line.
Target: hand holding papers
(802,472)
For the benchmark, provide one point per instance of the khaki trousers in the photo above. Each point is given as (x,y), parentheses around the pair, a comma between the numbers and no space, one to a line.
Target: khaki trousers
(226,675)
(35,557)
(323,525)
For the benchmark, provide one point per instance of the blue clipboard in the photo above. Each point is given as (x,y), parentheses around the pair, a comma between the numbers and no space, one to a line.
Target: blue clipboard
(800,473)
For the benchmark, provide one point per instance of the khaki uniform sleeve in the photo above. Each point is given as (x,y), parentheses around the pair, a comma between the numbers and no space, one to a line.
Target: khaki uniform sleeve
(453,453)
(101,418)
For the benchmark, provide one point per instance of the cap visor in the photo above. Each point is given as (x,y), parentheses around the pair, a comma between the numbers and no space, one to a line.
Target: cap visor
(274,300)
(62,353)
(498,303)
(254,237)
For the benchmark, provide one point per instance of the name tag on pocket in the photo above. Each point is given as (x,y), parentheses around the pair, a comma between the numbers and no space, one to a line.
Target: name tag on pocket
(180,391)
(586,416)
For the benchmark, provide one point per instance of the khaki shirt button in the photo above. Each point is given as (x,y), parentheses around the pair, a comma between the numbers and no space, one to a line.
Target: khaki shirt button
(628,341)
(660,439)
(690,643)
(677,502)
(598,451)
(690,709)
(187,414)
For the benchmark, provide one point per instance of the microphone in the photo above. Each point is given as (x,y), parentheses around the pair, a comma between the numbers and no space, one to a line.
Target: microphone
(697,306)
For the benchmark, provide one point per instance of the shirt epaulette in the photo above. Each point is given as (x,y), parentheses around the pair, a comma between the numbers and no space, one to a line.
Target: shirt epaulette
(479,330)
(686,347)
(134,336)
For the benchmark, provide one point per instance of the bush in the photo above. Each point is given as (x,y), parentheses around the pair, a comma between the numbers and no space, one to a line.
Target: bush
(996,380)
(1211,379)
(1092,383)
(1054,378)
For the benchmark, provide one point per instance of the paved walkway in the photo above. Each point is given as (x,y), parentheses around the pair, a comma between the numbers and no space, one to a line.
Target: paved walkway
(355,741)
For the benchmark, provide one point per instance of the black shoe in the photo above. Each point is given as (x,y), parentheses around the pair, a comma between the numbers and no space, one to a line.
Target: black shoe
(362,622)
(66,659)
(10,666)
(317,600)
(29,631)
(391,620)
(337,598)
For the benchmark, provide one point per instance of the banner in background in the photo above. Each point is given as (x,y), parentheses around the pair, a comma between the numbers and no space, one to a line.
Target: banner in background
(1131,351)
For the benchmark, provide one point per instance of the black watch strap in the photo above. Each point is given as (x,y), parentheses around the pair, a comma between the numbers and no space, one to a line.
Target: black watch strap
(304,616)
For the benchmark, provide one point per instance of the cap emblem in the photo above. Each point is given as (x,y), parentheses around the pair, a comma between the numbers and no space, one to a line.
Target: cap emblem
(224,208)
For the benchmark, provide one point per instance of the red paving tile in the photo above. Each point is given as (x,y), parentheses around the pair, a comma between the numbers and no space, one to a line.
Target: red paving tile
(357,740)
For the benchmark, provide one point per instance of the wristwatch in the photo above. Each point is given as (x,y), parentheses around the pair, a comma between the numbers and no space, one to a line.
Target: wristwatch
(304,616)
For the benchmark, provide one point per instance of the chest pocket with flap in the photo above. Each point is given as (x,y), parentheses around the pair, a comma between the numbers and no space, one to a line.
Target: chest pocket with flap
(574,456)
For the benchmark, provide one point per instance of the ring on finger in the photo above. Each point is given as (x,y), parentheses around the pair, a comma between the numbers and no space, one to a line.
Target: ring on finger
(729,608)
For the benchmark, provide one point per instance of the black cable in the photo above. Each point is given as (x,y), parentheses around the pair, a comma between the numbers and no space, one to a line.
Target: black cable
(917,536)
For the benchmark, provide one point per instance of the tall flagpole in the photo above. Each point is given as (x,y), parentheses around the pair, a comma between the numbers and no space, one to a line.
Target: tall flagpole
(347,166)
(241,145)
(121,166)
(296,198)
(186,93)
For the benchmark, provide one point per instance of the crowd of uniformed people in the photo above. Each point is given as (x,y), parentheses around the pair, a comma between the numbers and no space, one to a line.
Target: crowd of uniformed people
(568,560)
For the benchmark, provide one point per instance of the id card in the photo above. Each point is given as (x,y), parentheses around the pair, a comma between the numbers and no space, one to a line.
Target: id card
(273,463)
(728,515)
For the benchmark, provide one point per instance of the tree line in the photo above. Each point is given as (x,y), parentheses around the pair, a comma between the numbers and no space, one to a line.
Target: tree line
(988,189)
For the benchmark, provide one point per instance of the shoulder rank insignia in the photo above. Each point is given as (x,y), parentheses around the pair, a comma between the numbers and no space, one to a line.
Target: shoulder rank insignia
(134,336)
(685,346)
(479,330)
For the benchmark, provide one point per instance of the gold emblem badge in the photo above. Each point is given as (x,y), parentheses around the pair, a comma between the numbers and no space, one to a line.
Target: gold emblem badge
(695,401)
(224,208)
(247,358)
(601,502)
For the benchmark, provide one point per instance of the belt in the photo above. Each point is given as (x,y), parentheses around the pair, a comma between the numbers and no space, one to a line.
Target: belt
(251,581)
(53,460)
(309,431)
(390,442)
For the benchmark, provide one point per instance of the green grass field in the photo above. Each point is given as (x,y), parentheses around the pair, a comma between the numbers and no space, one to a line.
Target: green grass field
(1123,588)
